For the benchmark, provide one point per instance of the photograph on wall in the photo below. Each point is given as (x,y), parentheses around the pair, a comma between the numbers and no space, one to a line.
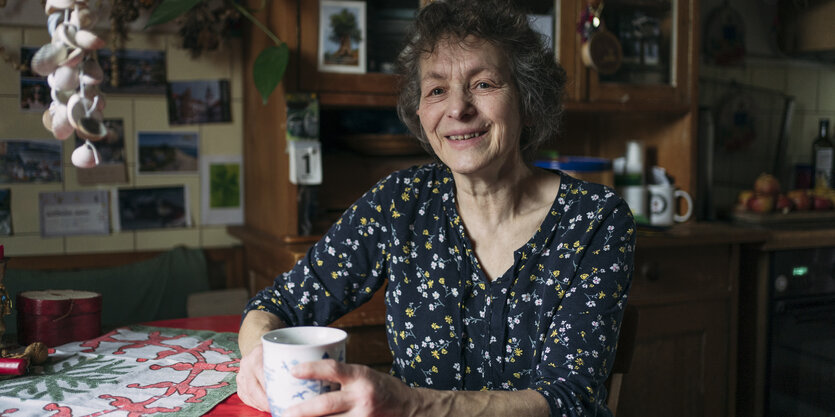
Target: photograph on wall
(342,36)
(66,213)
(222,196)
(30,161)
(152,208)
(167,152)
(5,211)
(302,116)
(113,167)
(34,89)
(137,71)
(200,101)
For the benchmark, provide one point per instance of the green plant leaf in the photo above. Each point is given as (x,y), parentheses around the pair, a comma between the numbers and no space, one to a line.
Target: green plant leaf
(268,69)
(169,9)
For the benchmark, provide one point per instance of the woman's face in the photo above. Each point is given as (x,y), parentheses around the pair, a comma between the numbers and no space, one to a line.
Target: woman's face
(469,107)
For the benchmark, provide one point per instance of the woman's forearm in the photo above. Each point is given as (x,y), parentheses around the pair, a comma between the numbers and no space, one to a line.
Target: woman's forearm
(481,403)
(255,324)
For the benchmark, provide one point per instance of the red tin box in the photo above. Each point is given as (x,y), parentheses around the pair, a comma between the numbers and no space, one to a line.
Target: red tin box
(55,317)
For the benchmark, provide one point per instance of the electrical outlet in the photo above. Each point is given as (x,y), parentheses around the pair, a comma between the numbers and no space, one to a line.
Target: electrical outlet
(305,161)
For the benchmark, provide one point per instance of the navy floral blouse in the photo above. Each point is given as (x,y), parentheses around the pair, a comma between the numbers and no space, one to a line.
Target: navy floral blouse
(550,323)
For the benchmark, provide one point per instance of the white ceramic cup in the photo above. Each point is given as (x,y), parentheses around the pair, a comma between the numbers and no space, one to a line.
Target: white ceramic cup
(290,346)
(663,204)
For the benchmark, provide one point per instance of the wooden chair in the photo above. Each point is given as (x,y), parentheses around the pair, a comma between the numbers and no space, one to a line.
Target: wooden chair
(623,357)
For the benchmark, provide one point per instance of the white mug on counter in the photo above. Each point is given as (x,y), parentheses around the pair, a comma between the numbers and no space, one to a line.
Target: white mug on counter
(663,205)
(290,346)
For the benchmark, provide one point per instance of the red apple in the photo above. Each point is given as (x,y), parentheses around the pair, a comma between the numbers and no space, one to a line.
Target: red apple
(784,204)
(761,204)
(821,203)
(801,199)
(767,184)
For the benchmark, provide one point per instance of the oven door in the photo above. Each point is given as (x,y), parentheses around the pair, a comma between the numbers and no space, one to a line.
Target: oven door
(802,358)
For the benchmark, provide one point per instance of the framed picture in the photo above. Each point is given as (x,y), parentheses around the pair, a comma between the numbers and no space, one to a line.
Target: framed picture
(194,102)
(342,36)
(138,71)
(167,152)
(30,161)
(222,190)
(152,208)
(5,211)
(111,149)
(34,89)
(64,213)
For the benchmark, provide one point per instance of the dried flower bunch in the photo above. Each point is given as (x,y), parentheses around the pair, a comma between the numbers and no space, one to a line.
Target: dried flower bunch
(73,74)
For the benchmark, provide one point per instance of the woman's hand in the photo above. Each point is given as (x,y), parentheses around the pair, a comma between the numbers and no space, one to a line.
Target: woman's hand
(364,392)
(250,380)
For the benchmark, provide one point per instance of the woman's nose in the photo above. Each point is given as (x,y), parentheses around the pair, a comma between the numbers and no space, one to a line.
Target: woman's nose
(460,105)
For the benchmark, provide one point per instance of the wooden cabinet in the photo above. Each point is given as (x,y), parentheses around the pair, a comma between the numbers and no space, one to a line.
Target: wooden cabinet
(684,356)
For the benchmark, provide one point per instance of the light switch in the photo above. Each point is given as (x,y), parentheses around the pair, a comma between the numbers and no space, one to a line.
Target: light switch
(305,161)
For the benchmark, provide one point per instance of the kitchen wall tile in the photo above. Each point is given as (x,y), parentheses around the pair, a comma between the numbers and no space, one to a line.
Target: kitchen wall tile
(235,54)
(159,239)
(150,114)
(144,41)
(208,66)
(32,245)
(773,78)
(19,124)
(223,138)
(216,236)
(826,90)
(803,85)
(119,242)
(36,36)
(25,206)
(11,39)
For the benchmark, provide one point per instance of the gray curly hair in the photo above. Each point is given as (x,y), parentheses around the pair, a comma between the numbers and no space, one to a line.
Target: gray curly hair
(538,77)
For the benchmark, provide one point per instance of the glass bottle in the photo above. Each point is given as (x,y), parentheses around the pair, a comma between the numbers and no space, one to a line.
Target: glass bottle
(823,156)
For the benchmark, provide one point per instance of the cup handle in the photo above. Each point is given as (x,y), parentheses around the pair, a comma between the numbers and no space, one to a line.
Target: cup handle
(686,216)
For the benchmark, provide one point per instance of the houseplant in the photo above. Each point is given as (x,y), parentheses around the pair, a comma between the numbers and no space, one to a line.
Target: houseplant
(269,66)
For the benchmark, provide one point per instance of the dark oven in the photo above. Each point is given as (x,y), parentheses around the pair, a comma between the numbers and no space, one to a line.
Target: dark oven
(801,334)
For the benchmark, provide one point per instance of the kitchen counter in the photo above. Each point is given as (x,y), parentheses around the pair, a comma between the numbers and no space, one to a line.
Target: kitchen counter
(698,233)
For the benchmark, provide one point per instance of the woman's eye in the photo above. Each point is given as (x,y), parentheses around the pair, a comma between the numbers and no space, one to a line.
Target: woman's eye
(436,91)
(483,84)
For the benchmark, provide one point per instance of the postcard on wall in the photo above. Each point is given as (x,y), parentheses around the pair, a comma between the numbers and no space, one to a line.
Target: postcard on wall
(65,213)
(153,208)
(222,190)
(5,212)
(342,36)
(34,89)
(302,116)
(139,71)
(113,168)
(167,152)
(30,161)
(194,102)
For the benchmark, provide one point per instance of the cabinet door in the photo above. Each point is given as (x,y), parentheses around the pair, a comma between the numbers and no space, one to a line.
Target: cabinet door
(656,37)
(680,362)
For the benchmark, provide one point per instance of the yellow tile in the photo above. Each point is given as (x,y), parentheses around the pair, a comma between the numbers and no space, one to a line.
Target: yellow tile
(25,208)
(802,83)
(160,239)
(119,242)
(36,36)
(150,114)
(826,99)
(11,38)
(770,77)
(18,124)
(146,41)
(216,236)
(235,52)
(208,66)
(29,244)
(224,138)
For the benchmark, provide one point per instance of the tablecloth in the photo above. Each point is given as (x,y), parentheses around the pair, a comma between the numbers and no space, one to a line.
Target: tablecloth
(132,371)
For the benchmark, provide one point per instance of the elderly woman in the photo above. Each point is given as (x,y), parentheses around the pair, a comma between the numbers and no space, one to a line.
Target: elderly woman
(505,284)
